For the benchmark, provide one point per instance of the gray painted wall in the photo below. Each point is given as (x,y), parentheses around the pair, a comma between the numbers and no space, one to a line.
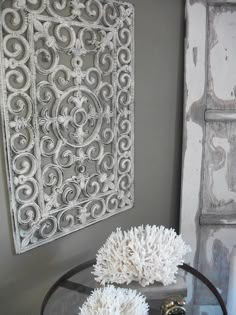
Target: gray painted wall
(24,279)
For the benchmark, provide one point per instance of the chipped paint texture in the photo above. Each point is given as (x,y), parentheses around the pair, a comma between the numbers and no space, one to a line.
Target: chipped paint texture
(209,156)
(213,2)
(195,85)
(207,310)
(195,50)
(216,244)
(219,187)
(222,58)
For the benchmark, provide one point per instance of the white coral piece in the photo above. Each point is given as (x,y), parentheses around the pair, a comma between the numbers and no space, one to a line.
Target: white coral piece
(142,254)
(114,301)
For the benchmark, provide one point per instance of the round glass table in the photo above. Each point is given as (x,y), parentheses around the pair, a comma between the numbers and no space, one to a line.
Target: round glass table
(71,290)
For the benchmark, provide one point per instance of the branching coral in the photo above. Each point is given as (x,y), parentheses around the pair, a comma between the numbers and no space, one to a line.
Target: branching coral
(114,301)
(142,254)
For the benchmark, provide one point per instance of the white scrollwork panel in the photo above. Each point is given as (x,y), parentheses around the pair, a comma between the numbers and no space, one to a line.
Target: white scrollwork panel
(67,98)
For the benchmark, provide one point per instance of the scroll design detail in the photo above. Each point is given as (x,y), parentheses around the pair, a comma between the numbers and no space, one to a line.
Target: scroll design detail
(67,98)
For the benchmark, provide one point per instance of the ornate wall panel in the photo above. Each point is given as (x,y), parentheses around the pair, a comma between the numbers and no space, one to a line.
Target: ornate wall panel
(67,98)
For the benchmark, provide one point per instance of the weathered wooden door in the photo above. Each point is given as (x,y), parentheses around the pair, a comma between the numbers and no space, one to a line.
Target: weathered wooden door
(208,207)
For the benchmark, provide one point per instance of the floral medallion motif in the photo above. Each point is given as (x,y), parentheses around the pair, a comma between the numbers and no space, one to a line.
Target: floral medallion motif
(67,99)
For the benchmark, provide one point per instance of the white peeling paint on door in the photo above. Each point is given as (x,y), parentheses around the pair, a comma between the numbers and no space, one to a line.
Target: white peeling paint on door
(193,132)
(208,200)
(222,50)
(219,178)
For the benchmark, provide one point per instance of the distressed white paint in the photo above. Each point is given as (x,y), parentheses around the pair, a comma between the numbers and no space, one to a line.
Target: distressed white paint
(67,99)
(216,245)
(193,134)
(209,245)
(220,186)
(194,66)
(231,298)
(218,115)
(219,189)
(225,234)
(209,167)
(207,310)
(222,56)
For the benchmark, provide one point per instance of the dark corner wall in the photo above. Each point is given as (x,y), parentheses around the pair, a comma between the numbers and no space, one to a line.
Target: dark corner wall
(159,37)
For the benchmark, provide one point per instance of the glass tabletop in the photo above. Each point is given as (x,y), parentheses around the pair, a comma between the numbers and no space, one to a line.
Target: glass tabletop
(71,290)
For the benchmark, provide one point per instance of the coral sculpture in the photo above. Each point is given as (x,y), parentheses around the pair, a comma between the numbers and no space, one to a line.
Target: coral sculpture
(114,301)
(142,254)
